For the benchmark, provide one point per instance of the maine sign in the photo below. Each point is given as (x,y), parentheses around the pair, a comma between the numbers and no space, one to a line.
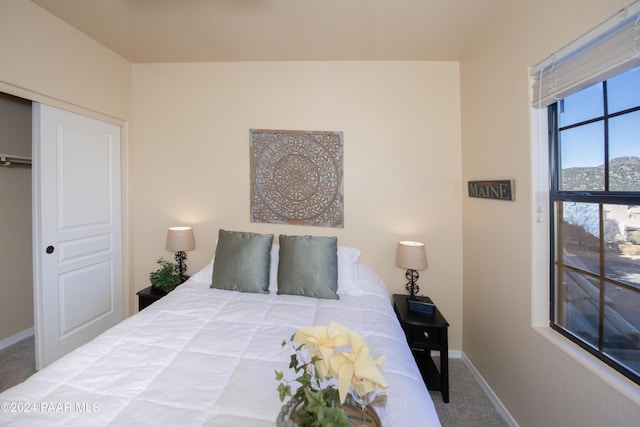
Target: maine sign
(497,189)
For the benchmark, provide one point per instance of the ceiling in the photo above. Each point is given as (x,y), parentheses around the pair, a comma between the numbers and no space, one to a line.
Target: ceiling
(279,30)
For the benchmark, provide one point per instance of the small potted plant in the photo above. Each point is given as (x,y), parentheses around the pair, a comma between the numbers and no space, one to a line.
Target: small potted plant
(167,277)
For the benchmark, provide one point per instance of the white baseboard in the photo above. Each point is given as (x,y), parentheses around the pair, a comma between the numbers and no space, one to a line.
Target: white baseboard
(453,354)
(494,399)
(17,337)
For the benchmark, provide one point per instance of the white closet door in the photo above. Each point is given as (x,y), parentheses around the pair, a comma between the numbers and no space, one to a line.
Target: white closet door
(77,230)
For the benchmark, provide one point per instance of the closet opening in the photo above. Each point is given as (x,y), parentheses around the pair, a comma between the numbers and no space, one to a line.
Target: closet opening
(17,348)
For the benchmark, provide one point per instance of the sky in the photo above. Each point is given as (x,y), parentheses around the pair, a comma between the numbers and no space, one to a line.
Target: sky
(583,146)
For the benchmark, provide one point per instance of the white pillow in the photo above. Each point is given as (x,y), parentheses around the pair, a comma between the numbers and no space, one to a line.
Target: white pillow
(348,283)
(205,274)
(273,269)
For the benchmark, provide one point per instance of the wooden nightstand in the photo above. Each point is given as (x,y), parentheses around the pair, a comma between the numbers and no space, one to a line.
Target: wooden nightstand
(425,334)
(148,296)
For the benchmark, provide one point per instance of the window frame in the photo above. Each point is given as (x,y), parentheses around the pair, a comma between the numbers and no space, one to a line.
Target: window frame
(599,198)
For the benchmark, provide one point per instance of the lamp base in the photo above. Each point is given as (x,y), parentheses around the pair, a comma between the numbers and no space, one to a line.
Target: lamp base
(180,257)
(411,286)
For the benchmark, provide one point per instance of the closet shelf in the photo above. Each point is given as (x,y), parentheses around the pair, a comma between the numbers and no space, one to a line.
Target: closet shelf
(8,160)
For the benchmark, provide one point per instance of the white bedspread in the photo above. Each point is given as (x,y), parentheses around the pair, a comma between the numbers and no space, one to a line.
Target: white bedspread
(206,357)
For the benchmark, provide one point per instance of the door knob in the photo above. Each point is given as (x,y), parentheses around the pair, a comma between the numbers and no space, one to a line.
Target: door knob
(50,249)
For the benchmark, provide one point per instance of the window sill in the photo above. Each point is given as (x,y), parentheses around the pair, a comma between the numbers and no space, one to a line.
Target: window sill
(613,378)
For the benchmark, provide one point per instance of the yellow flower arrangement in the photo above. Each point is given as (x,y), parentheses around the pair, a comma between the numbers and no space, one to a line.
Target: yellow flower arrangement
(336,352)
(350,367)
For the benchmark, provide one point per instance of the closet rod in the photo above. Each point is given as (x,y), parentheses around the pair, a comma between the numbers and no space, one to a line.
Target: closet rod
(7,160)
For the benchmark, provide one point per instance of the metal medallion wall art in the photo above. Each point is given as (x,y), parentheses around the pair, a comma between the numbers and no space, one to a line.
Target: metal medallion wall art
(296,177)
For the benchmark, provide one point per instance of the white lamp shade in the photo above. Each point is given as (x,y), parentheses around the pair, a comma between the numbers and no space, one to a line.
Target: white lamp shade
(180,239)
(411,255)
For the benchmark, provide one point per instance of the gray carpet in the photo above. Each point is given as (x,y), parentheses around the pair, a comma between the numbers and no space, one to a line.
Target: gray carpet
(17,363)
(468,405)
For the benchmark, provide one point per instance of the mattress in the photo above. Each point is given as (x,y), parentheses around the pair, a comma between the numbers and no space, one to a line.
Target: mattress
(207,357)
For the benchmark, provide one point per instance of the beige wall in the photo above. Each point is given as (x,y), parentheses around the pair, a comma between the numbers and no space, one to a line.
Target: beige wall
(16,279)
(44,59)
(401,158)
(537,380)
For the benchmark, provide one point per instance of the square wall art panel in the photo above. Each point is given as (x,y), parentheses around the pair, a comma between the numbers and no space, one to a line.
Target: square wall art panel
(296,177)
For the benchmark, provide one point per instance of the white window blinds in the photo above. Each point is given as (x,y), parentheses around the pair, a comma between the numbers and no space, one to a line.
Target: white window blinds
(610,49)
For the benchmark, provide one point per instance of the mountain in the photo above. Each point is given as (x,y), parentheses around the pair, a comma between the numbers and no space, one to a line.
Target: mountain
(624,175)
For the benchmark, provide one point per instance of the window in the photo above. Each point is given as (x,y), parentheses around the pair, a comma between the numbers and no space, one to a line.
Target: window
(595,219)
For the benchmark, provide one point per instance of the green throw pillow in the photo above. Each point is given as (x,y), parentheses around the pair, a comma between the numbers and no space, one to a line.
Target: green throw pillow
(242,262)
(308,266)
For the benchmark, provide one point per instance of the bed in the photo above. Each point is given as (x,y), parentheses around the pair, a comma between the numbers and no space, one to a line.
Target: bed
(205,356)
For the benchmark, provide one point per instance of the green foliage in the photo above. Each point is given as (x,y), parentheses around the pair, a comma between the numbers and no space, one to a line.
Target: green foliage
(317,406)
(166,277)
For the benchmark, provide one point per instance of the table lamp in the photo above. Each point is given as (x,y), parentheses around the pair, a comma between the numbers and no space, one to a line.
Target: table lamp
(180,240)
(413,257)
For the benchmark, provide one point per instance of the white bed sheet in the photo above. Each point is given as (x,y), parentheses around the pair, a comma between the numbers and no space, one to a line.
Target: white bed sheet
(206,357)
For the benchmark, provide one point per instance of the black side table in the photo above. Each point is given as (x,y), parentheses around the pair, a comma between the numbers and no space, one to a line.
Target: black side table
(425,334)
(148,296)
